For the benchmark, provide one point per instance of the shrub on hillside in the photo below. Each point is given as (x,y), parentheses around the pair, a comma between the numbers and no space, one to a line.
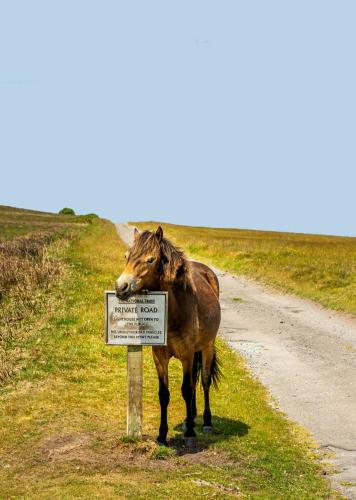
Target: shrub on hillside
(66,211)
(88,218)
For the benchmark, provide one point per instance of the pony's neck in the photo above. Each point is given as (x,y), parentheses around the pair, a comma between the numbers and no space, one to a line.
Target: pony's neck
(180,290)
(178,298)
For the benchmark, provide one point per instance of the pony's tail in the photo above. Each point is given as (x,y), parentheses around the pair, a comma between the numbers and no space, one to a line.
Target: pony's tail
(197,364)
(215,368)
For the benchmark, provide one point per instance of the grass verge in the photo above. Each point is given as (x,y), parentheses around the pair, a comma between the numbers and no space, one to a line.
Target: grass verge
(317,267)
(63,414)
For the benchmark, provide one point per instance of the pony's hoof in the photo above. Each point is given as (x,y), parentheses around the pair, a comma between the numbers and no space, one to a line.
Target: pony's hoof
(184,426)
(207,429)
(161,442)
(190,442)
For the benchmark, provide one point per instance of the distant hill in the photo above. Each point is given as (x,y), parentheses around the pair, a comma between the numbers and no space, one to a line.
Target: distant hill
(18,221)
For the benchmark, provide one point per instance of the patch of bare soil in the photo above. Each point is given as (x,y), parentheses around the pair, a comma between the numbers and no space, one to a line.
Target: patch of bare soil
(107,452)
(65,446)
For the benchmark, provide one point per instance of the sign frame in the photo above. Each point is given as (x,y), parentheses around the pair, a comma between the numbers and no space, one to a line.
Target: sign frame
(111,293)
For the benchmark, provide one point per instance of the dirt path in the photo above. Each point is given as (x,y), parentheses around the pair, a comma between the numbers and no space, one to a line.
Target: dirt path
(304,354)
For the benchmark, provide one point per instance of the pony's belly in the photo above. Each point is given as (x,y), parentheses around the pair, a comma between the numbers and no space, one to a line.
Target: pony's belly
(184,344)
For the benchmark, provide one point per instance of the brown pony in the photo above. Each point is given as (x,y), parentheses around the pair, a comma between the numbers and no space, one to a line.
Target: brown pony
(153,263)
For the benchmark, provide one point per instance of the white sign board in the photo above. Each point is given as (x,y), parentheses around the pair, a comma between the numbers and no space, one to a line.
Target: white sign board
(139,320)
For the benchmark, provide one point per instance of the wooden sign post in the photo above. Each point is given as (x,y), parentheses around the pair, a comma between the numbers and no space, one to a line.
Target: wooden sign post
(140,320)
(134,391)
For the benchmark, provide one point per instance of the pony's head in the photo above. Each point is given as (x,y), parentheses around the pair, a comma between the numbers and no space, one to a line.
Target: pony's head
(151,261)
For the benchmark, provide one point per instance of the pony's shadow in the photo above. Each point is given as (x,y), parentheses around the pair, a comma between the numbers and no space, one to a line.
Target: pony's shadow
(224,429)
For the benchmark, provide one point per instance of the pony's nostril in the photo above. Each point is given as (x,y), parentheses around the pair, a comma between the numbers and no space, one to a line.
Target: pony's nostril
(122,288)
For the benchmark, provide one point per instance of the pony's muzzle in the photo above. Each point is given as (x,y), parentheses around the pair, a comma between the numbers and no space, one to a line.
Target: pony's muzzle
(125,286)
(122,290)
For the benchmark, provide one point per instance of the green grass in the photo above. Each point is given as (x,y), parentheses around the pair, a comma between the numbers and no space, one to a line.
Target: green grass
(63,415)
(321,268)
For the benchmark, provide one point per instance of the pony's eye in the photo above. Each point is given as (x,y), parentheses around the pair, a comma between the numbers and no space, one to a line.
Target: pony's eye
(126,255)
(150,260)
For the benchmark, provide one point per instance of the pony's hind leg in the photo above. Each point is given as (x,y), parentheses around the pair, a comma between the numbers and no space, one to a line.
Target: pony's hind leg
(195,374)
(161,359)
(207,361)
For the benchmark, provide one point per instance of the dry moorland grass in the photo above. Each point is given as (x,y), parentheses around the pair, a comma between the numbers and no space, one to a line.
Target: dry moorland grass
(30,268)
(318,267)
(25,262)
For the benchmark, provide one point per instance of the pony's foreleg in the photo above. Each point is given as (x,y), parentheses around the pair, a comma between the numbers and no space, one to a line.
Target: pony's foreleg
(161,361)
(207,360)
(188,395)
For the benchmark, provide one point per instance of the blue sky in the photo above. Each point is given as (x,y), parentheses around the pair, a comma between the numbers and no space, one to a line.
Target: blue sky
(226,113)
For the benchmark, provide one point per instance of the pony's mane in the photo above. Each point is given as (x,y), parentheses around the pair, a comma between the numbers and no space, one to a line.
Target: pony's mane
(174,265)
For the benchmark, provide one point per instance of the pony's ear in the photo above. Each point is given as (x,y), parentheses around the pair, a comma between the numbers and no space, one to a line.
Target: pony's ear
(136,233)
(159,234)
